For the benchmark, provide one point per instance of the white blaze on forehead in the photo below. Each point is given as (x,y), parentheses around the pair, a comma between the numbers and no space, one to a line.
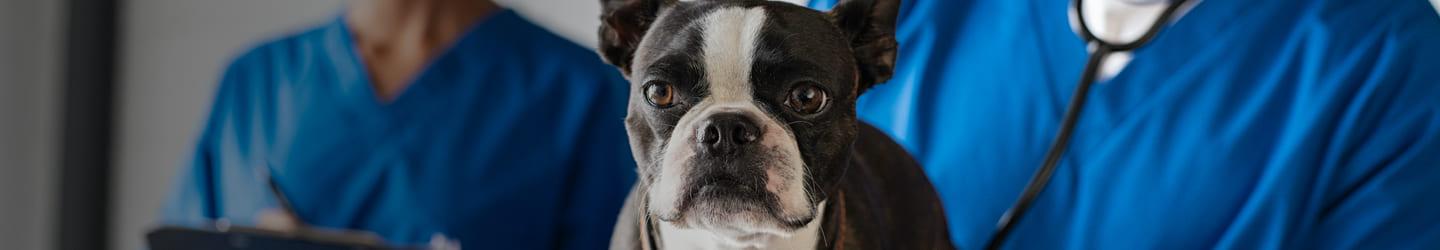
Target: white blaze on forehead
(730,36)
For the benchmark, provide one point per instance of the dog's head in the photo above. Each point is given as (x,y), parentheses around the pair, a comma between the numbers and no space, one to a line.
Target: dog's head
(742,112)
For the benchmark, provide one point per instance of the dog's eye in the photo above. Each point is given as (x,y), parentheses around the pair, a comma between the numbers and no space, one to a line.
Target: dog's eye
(807,98)
(660,94)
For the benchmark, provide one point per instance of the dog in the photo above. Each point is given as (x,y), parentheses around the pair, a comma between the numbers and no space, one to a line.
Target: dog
(742,121)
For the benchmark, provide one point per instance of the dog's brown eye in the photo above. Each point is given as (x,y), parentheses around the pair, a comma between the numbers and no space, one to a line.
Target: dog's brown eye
(807,98)
(660,94)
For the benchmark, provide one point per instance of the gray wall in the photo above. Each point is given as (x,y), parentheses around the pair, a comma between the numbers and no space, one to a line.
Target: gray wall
(30,50)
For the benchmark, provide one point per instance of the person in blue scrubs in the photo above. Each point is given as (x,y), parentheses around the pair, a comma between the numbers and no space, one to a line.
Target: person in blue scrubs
(412,119)
(1283,124)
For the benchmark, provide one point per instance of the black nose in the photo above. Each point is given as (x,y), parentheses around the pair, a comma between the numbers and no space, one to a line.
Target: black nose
(727,133)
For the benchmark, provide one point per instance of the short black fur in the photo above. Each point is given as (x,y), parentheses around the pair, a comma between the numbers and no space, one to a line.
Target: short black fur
(887,201)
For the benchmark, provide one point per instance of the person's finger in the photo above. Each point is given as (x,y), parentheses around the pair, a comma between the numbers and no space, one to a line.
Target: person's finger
(440,242)
(278,220)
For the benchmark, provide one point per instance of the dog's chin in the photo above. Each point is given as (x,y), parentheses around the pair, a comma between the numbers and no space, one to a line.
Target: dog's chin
(736,213)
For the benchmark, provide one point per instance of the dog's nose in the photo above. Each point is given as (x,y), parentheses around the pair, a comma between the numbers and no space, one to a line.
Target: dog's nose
(726,133)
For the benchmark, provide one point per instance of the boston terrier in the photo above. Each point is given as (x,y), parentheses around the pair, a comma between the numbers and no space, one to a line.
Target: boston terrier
(742,121)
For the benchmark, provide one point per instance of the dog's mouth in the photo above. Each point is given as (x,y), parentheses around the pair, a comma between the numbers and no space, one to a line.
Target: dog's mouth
(722,195)
(728,188)
(720,200)
(728,195)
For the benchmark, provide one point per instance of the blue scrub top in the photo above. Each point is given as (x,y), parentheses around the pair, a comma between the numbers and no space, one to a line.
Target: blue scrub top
(511,139)
(1282,124)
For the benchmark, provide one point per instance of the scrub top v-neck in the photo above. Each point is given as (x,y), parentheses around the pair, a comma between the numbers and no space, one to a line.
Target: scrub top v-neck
(1244,124)
(512,138)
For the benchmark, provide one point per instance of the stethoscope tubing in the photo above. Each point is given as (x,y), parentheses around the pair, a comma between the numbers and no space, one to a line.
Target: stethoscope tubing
(1073,110)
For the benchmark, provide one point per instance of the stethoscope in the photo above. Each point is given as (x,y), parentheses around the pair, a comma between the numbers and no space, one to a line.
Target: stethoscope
(1072,115)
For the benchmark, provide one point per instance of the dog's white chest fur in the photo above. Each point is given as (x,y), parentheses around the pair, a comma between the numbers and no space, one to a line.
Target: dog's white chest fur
(807,237)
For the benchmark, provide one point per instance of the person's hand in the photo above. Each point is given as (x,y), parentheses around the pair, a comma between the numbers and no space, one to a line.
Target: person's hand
(282,221)
(277,220)
(440,242)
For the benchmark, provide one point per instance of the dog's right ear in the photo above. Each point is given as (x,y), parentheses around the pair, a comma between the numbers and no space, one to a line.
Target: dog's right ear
(622,24)
(870,24)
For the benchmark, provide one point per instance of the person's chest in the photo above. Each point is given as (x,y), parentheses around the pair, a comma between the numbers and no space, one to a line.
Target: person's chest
(1193,143)
(459,157)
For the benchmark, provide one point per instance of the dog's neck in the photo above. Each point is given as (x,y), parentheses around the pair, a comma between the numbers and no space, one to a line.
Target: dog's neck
(672,237)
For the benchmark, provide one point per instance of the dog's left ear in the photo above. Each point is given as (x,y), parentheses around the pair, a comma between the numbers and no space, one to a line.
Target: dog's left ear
(623,24)
(870,25)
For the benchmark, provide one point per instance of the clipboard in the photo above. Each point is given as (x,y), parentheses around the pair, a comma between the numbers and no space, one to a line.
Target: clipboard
(244,238)
(221,235)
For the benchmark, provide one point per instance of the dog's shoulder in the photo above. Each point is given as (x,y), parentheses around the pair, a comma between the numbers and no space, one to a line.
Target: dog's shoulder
(874,147)
(630,231)
(900,204)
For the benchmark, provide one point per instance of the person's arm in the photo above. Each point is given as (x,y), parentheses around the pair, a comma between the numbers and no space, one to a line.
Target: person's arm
(1385,191)
(195,195)
(192,200)
(1393,204)
(1388,194)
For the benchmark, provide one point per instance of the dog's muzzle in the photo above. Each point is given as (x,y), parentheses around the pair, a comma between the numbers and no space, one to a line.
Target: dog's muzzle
(731,166)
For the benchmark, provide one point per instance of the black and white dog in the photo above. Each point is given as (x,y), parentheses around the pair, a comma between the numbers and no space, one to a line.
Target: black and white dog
(742,119)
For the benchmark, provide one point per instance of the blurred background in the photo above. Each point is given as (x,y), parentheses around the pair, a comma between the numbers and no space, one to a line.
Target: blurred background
(100,101)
